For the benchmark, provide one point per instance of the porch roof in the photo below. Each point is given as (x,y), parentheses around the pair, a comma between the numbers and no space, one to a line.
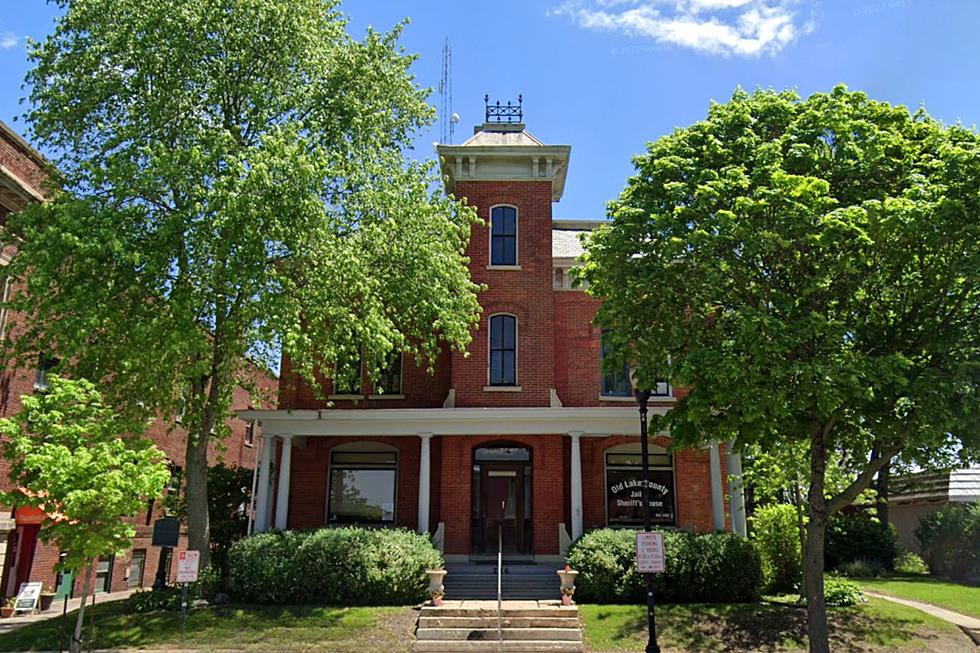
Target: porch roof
(586,421)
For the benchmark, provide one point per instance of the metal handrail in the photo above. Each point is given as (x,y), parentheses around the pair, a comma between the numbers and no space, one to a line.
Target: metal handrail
(500,575)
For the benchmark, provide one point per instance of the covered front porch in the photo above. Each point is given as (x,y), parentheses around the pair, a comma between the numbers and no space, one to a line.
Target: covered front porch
(536,478)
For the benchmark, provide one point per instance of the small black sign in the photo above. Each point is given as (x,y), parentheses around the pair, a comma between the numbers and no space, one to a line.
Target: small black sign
(624,497)
(166,532)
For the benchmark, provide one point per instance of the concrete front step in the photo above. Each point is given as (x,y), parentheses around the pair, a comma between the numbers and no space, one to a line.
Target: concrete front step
(491,622)
(508,612)
(513,646)
(491,633)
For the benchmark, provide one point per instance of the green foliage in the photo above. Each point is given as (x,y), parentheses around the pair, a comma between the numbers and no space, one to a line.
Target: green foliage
(860,568)
(858,536)
(235,181)
(950,540)
(709,568)
(777,539)
(842,592)
(910,563)
(81,466)
(332,566)
(815,263)
(229,493)
(169,598)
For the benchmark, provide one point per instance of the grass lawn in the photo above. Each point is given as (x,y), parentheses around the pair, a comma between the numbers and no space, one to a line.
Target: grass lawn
(878,626)
(952,596)
(244,628)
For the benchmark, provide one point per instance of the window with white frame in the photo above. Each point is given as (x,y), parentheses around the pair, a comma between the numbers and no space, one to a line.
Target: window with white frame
(503,350)
(249,437)
(503,235)
(363,484)
(4,298)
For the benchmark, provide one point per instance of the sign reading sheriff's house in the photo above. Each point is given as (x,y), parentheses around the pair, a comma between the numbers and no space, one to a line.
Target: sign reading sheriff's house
(624,497)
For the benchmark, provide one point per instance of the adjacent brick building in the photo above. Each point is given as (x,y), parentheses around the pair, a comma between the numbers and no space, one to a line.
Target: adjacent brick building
(22,556)
(526,433)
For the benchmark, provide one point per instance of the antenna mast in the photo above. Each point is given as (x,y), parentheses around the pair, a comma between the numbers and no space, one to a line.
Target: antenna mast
(448,126)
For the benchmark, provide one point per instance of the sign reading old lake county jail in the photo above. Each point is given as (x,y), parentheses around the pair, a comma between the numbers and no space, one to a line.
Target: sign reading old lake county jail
(624,497)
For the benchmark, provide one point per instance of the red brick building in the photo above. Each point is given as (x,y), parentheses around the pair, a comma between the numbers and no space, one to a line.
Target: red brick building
(22,556)
(526,432)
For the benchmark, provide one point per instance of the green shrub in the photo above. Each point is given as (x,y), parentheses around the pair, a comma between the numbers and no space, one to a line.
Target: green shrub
(168,598)
(842,592)
(860,569)
(710,568)
(950,540)
(909,563)
(332,566)
(777,539)
(859,536)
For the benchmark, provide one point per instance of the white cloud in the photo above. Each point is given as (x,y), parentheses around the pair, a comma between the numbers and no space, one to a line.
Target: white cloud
(8,40)
(727,27)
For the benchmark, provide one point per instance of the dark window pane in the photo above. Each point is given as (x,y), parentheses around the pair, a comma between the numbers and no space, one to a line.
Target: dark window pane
(389,379)
(503,241)
(503,350)
(364,457)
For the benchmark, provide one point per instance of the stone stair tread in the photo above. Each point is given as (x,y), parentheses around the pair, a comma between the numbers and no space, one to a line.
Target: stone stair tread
(488,622)
(517,646)
(491,634)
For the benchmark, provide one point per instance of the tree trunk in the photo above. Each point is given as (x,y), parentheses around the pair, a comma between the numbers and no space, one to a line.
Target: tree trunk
(76,640)
(813,556)
(881,506)
(198,520)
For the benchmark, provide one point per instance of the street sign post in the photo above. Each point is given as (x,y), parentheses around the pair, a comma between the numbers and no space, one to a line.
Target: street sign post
(187,572)
(650,553)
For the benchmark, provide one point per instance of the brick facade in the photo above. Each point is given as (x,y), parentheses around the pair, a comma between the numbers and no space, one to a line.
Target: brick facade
(558,368)
(22,180)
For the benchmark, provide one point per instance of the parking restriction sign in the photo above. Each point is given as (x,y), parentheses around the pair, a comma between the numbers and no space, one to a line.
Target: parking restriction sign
(650,553)
(187,563)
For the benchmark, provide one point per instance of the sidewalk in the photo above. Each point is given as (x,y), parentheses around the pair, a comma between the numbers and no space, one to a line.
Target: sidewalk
(13,623)
(969,625)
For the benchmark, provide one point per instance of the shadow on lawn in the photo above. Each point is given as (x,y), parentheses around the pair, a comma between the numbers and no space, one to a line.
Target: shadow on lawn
(115,628)
(767,627)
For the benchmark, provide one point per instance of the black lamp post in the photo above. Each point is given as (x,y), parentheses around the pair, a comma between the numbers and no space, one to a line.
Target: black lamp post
(642,396)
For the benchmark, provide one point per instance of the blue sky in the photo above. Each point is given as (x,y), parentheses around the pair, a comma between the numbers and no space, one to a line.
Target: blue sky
(606,76)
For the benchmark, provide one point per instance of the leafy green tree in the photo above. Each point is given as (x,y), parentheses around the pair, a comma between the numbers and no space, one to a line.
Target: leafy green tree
(74,458)
(810,269)
(235,184)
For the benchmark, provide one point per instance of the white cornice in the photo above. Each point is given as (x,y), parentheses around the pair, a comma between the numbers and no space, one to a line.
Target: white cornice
(601,421)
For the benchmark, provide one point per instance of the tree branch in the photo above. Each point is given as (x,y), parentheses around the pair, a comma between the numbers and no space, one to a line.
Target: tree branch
(847,496)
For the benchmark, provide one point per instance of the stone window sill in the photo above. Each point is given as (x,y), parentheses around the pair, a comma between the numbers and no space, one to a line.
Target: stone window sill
(386,396)
(345,397)
(503,267)
(503,388)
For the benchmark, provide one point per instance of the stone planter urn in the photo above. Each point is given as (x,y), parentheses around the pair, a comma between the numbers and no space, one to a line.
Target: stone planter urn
(567,577)
(436,588)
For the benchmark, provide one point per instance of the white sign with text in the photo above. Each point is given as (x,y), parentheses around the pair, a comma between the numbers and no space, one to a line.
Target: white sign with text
(187,563)
(650,553)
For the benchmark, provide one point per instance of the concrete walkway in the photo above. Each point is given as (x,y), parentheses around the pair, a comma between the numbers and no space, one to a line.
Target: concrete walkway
(13,623)
(970,625)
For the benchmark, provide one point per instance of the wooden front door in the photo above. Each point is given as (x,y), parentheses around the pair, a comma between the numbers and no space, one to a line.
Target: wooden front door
(501,500)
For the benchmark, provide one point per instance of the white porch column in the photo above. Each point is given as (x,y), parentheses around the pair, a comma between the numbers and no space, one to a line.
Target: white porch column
(282,495)
(425,475)
(576,485)
(717,492)
(737,492)
(262,502)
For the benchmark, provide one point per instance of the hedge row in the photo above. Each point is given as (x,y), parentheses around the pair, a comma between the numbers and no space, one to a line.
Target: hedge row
(708,568)
(950,540)
(332,566)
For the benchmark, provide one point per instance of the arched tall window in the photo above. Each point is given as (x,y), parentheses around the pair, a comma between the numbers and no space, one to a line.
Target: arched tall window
(503,350)
(503,235)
